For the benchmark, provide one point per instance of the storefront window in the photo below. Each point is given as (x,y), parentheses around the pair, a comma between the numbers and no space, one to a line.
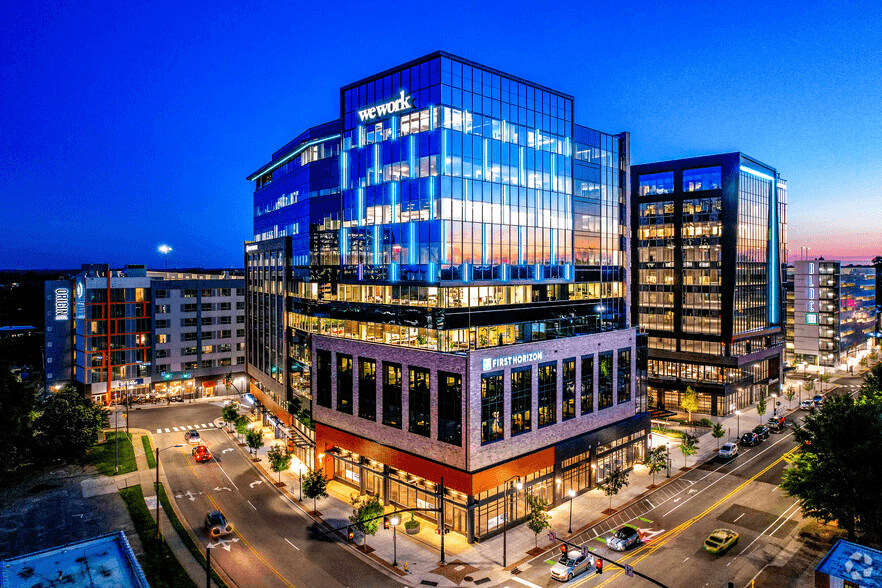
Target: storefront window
(492,411)
(521,399)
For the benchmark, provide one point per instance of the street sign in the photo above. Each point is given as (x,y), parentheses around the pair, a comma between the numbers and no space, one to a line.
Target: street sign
(551,536)
(584,551)
(629,571)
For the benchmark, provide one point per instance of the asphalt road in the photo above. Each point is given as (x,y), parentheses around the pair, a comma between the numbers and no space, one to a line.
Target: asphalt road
(274,544)
(741,494)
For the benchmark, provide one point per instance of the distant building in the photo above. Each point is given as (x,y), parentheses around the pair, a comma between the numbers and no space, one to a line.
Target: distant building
(106,561)
(849,565)
(708,242)
(163,333)
(833,312)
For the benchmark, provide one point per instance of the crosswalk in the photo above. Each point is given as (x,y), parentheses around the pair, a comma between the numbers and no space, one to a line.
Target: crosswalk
(180,428)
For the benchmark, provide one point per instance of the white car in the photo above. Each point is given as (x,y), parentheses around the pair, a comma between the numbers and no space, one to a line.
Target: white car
(570,565)
(193,438)
(806,404)
(728,450)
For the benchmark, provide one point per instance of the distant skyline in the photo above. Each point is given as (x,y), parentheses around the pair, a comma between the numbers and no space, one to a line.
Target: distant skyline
(128,126)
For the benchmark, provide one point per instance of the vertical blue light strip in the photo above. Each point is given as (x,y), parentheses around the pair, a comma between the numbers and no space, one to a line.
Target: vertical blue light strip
(344,170)
(538,272)
(444,151)
(432,271)
(522,170)
(485,243)
(393,272)
(376,244)
(443,241)
(774,277)
(394,134)
(411,244)
(431,198)
(393,192)
(344,245)
(553,246)
(361,211)
(378,165)
(485,153)
(411,157)
(466,271)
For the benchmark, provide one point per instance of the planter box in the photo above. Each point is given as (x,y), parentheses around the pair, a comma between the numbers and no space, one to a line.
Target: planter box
(412,530)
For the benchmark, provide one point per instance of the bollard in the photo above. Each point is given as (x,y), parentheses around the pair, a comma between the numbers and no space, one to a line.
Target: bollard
(405,566)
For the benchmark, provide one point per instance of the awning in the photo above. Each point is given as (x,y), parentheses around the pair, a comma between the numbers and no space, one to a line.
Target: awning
(209,384)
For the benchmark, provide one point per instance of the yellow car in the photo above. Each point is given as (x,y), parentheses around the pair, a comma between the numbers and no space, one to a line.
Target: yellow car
(720,541)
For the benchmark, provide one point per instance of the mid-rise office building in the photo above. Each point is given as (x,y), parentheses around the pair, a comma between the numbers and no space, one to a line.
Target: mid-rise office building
(441,274)
(833,312)
(708,248)
(136,332)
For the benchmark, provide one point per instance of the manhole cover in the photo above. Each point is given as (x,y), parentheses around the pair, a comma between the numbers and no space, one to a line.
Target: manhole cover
(482,581)
(467,579)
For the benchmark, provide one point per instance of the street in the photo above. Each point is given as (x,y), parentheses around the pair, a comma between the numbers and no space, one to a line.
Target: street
(272,545)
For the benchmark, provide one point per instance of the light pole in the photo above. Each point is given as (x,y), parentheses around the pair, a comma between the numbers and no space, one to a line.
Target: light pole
(157,486)
(165,250)
(518,485)
(738,414)
(668,455)
(774,405)
(394,522)
(571,493)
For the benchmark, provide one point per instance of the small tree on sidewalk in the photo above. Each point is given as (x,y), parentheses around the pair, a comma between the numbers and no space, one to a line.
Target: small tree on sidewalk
(824,378)
(538,517)
(689,401)
(718,432)
(241,425)
(657,460)
(254,439)
(613,483)
(366,508)
(280,459)
(761,408)
(808,385)
(688,447)
(314,486)
(229,414)
(789,395)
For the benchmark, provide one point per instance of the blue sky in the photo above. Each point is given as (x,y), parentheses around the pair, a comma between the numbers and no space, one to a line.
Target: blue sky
(127,126)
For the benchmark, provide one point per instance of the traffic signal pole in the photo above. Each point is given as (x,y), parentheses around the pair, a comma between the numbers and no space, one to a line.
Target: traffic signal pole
(629,570)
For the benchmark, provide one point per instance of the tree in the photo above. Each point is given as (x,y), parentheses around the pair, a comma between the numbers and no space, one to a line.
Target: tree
(689,401)
(279,458)
(241,424)
(657,460)
(789,395)
(836,474)
(824,378)
(761,408)
(872,384)
(367,508)
(68,425)
(808,385)
(718,432)
(229,414)
(538,518)
(314,486)
(254,439)
(688,447)
(613,483)
(18,400)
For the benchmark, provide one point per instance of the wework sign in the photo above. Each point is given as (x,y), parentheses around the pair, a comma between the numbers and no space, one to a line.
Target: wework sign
(404,102)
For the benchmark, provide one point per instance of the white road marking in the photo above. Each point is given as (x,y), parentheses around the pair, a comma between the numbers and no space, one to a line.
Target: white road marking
(292,545)
(159,430)
(685,560)
(252,506)
(255,483)
(175,428)
(166,430)
(526,583)
(227,449)
(739,516)
(189,427)
(203,426)
(225,473)
(744,551)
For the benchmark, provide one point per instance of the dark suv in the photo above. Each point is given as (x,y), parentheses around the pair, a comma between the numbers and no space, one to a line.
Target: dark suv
(762,431)
(776,424)
(750,439)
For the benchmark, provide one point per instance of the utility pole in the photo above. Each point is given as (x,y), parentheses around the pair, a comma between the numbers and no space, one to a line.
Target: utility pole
(441,520)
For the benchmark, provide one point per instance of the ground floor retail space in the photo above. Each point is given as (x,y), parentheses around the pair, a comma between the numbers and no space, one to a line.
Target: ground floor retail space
(477,505)
(721,401)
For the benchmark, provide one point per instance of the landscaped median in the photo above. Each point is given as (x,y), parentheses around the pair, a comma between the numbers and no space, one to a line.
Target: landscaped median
(116,450)
(148,452)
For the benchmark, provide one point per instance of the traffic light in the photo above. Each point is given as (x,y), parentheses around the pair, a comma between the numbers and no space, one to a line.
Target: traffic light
(598,566)
(351,535)
(385,522)
(438,531)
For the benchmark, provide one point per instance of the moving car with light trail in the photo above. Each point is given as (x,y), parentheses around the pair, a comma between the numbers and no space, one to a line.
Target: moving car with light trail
(720,541)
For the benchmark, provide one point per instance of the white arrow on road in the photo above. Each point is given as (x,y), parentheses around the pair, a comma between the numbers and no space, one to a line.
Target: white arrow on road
(647,534)
(219,488)
(189,494)
(227,449)
(222,543)
(255,483)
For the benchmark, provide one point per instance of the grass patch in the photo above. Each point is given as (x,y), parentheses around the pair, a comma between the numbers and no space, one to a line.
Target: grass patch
(669,433)
(103,456)
(148,452)
(195,550)
(160,565)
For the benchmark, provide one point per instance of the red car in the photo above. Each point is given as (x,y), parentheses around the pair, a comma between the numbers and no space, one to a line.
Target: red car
(201,453)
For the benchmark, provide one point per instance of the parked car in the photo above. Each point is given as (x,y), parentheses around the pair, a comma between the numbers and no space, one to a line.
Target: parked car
(193,437)
(728,451)
(720,541)
(201,453)
(818,400)
(750,439)
(570,565)
(762,431)
(776,424)
(806,404)
(623,539)
(216,524)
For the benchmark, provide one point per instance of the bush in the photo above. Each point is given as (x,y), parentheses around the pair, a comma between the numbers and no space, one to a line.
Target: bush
(104,455)
(705,422)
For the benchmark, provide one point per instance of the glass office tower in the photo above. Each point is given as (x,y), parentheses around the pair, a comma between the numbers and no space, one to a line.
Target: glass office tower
(441,277)
(709,248)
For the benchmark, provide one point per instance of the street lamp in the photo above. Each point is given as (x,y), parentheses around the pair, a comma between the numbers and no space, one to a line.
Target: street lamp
(738,434)
(774,405)
(518,485)
(394,522)
(157,485)
(571,493)
(668,454)
(165,250)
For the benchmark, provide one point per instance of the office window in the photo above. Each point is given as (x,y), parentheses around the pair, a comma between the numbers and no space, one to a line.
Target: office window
(418,401)
(492,409)
(204,307)
(190,336)
(240,305)
(323,378)
(450,408)
(224,320)
(660,183)
(162,338)
(547,392)
(206,292)
(206,320)
(162,294)
(344,383)
(207,363)
(569,389)
(240,320)
(587,394)
(624,376)
(190,365)
(163,324)
(605,393)
(188,322)
(189,293)
(392,394)
(367,389)
(240,360)
(224,306)
(521,400)
(189,351)
(705,178)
